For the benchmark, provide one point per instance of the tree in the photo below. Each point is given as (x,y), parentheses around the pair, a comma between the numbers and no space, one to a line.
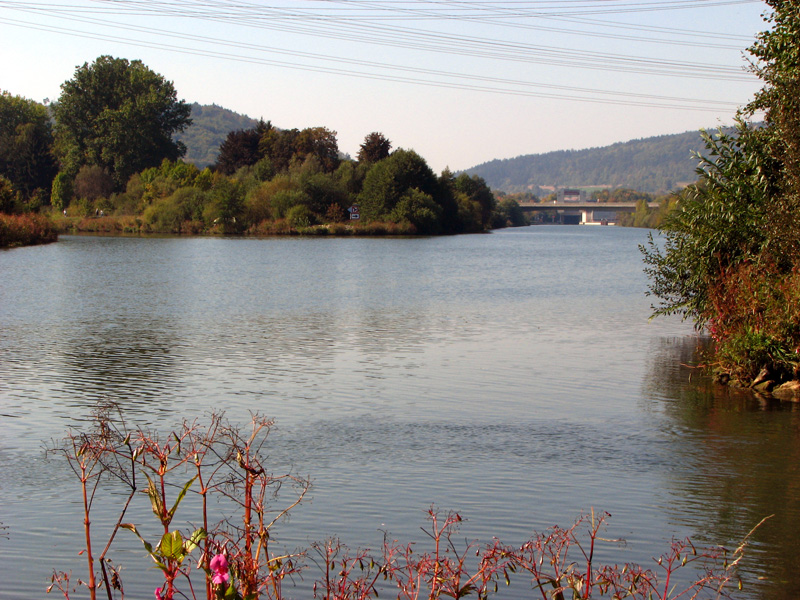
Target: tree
(731,255)
(241,148)
(61,194)
(476,191)
(388,180)
(118,115)
(320,142)
(93,182)
(7,196)
(718,223)
(26,141)
(509,213)
(777,52)
(375,147)
(278,145)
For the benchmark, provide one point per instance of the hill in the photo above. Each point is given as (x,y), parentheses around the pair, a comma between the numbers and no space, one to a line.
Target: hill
(210,126)
(656,165)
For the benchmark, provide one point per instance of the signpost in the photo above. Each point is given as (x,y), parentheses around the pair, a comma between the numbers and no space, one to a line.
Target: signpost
(353,210)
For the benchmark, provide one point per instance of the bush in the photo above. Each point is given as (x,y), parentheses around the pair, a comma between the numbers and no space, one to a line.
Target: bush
(93,182)
(61,192)
(26,230)
(754,319)
(299,216)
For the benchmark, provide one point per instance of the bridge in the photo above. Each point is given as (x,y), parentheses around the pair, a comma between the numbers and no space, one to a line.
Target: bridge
(585,213)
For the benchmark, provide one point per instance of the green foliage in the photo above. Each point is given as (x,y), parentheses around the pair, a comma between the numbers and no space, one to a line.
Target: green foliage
(8,196)
(509,214)
(350,176)
(119,115)
(299,216)
(26,141)
(420,210)
(264,170)
(322,191)
(755,319)
(731,256)
(389,179)
(285,199)
(225,207)
(204,180)
(284,147)
(621,195)
(718,223)
(475,191)
(321,143)
(172,213)
(61,193)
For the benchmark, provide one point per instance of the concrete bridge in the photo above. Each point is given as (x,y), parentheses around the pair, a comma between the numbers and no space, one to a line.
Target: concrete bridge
(585,213)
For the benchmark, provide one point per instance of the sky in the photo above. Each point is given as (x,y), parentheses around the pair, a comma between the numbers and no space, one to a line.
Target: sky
(461,82)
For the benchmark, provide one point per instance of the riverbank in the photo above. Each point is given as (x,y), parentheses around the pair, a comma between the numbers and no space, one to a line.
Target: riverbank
(134,225)
(26,230)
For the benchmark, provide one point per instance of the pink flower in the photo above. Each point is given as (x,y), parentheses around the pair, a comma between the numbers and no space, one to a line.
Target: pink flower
(220,577)
(219,568)
(219,563)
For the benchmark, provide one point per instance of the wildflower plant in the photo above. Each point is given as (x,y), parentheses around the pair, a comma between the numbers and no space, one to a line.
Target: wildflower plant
(232,553)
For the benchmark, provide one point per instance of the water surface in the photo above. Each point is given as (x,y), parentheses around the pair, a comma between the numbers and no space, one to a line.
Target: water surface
(513,377)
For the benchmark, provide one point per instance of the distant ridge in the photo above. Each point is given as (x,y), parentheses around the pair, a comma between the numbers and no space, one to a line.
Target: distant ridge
(657,165)
(210,126)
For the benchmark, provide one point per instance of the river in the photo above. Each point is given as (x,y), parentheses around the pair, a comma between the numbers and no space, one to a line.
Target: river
(513,377)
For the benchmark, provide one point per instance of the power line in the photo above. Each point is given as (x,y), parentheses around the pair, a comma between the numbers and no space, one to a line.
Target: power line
(338,23)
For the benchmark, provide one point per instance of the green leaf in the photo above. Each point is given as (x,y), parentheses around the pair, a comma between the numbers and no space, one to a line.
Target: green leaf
(155,499)
(194,540)
(171,545)
(181,496)
(230,592)
(147,545)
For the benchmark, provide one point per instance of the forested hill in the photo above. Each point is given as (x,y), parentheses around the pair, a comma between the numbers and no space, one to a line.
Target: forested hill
(210,126)
(656,164)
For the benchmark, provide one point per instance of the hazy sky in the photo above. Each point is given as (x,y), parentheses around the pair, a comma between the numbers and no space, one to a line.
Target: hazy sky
(460,82)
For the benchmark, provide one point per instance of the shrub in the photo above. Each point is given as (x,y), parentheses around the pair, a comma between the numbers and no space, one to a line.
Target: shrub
(299,216)
(26,230)
(61,192)
(93,182)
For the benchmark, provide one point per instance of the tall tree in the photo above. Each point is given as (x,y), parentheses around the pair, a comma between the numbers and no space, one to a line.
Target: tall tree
(375,147)
(476,191)
(320,142)
(119,115)
(777,54)
(241,148)
(390,179)
(731,254)
(26,142)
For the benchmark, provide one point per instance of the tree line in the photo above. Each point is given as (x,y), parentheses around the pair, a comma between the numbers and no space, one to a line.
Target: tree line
(108,147)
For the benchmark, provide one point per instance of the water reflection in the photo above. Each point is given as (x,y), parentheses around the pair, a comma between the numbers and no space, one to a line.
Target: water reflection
(736,461)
